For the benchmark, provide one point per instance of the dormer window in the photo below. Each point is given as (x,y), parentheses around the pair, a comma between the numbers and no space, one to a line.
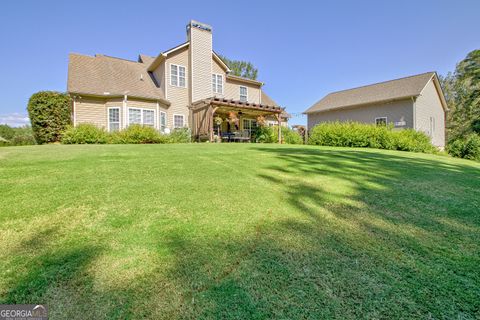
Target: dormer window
(243,94)
(217,83)
(177,76)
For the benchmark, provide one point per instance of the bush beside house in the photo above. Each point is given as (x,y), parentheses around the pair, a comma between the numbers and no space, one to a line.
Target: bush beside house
(135,134)
(353,134)
(50,114)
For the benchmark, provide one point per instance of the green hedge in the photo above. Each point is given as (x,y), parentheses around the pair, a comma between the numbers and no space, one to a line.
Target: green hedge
(134,134)
(270,135)
(137,134)
(467,147)
(50,115)
(353,134)
(85,134)
(180,135)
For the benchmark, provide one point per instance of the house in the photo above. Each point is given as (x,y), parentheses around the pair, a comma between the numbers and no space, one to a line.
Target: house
(412,102)
(186,86)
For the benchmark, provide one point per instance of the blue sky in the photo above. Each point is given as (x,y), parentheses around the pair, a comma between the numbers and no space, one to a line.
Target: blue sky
(303,50)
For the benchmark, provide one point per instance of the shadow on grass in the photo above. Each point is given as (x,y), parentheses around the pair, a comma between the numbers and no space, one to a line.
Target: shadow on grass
(398,238)
(358,235)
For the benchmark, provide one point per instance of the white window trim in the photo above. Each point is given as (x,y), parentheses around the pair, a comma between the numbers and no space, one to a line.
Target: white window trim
(240,93)
(216,83)
(160,122)
(141,115)
(173,120)
(119,118)
(386,120)
(178,75)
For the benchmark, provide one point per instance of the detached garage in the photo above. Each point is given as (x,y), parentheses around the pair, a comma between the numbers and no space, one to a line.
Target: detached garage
(413,102)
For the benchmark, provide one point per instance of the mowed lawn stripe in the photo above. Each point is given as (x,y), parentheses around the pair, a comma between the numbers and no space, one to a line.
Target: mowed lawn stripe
(239,231)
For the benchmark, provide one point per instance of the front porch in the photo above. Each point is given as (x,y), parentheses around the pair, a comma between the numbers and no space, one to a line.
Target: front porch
(229,120)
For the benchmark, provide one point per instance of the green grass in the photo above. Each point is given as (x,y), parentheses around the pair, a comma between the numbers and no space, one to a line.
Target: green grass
(239,231)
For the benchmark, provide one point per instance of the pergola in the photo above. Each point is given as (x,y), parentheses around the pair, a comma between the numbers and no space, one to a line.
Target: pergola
(203,111)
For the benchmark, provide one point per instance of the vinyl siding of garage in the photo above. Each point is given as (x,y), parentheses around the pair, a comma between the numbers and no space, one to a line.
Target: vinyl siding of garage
(395,111)
(429,114)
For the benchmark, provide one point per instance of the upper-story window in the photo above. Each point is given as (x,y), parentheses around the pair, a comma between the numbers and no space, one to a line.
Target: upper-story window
(177,76)
(243,94)
(217,83)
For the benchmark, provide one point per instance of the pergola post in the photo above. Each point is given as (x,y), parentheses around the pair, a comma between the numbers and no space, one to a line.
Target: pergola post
(214,109)
(279,128)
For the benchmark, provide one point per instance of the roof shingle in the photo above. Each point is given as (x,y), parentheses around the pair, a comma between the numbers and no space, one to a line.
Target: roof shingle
(384,91)
(103,74)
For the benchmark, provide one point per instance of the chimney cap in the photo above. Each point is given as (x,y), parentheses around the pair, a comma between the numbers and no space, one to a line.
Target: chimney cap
(199,25)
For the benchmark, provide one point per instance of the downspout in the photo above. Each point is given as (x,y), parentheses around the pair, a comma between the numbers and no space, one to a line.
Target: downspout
(414,114)
(157,118)
(125,98)
(74,111)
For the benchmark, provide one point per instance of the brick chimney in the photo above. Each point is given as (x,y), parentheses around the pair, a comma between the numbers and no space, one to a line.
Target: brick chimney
(200,37)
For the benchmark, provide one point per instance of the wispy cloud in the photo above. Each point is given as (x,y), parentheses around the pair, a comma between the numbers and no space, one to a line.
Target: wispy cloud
(14,119)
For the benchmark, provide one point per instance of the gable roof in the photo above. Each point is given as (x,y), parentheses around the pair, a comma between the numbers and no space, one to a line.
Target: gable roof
(397,89)
(265,99)
(101,74)
(143,58)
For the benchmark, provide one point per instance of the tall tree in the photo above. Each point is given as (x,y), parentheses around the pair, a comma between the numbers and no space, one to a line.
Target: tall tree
(462,91)
(241,68)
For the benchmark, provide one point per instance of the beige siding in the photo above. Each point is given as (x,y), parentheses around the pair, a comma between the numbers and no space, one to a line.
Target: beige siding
(179,97)
(394,111)
(159,74)
(88,110)
(429,114)
(232,90)
(201,63)
(217,69)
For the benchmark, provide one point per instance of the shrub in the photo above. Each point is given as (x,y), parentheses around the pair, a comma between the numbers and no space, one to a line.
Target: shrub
(6,132)
(263,134)
(136,134)
(84,133)
(467,147)
(180,135)
(19,136)
(23,136)
(288,135)
(353,134)
(50,114)
(411,140)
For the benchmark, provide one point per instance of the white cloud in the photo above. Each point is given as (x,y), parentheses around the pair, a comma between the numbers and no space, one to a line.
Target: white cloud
(14,119)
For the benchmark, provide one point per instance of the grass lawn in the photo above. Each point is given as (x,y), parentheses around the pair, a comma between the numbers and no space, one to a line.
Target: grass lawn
(239,231)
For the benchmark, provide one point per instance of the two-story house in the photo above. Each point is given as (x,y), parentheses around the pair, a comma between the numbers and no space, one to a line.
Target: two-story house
(186,86)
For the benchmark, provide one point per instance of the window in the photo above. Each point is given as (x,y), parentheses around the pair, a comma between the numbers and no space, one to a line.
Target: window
(163,121)
(177,76)
(217,83)
(148,118)
(145,117)
(381,121)
(243,94)
(178,120)
(113,119)
(250,125)
(134,116)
